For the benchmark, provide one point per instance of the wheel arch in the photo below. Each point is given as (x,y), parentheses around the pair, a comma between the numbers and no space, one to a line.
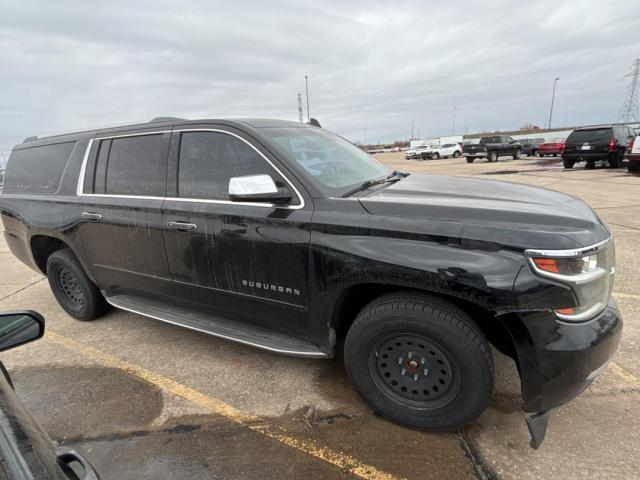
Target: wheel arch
(355,297)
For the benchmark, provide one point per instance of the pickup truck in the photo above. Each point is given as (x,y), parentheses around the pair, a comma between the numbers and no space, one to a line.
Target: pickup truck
(493,148)
(224,227)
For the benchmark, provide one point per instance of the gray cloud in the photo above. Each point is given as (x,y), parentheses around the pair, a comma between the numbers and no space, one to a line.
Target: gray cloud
(72,65)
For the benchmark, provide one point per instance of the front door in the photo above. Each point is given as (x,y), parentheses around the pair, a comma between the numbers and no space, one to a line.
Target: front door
(120,206)
(243,261)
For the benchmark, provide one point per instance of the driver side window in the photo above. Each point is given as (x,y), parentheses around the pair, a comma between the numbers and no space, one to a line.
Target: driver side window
(209,159)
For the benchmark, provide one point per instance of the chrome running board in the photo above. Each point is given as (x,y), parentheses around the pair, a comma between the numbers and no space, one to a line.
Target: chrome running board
(235,331)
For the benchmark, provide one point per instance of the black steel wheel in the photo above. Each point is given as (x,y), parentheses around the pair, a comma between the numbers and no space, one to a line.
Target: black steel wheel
(414,369)
(73,289)
(419,361)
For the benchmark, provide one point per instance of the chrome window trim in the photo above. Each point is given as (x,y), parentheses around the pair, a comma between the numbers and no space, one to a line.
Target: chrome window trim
(577,252)
(83,173)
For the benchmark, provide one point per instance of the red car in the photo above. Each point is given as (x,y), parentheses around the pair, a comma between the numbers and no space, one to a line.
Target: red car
(555,147)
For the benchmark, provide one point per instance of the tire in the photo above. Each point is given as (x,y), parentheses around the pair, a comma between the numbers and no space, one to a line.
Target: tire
(74,291)
(492,156)
(517,154)
(456,154)
(633,166)
(435,156)
(555,154)
(470,159)
(614,162)
(590,165)
(438,358)
(566,163)
(535,153)
(541,154)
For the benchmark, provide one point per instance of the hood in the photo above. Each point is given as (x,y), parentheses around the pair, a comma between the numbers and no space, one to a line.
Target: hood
(506,213)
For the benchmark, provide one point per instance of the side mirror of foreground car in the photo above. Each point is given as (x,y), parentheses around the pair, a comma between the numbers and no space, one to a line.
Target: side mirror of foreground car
(20,327)
(257,188)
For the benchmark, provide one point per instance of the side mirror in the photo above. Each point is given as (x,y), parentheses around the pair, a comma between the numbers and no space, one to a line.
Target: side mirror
(257,188)
(17,328)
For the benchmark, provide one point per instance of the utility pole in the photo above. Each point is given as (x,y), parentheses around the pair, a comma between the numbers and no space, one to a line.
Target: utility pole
(553,96)
(306,86)
(300,115)
(630,110)
(412,129)
(453,131)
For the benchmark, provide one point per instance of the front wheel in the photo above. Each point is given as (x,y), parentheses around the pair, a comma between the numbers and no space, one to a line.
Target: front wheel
(435,156)
(73,289)
(470,159)
(419,361)
(535,153)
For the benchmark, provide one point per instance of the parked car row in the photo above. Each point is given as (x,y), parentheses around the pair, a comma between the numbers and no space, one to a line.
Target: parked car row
(434,152)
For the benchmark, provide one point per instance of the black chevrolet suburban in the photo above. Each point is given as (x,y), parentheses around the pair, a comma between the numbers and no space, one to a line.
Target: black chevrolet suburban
(289,238)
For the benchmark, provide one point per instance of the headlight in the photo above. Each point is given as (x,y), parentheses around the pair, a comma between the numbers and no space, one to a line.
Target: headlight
(589,272)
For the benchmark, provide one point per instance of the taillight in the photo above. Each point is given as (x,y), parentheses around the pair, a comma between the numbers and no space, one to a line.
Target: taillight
(630,146)
(562,147)
(612,144)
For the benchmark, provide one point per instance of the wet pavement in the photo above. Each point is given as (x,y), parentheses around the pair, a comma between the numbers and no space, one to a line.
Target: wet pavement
(147,399)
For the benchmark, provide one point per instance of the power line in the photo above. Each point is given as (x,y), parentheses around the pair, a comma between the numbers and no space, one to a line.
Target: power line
(630,110)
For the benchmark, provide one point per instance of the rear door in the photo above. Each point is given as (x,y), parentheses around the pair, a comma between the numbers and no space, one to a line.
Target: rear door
(121,194)
(244,261)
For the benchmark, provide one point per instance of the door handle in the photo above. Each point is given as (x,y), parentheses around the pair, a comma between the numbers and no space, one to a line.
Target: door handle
(68,456)
(94,217)
(182,226)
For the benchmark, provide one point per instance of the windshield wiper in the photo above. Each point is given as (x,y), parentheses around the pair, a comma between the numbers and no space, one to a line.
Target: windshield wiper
(393,177)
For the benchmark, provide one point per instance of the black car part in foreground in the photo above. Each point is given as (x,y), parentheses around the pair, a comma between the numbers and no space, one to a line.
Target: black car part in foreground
(289,238)
(27,451)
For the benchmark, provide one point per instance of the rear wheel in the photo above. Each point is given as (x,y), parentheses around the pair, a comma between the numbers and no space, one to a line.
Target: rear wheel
(614,162)
(456,154)
(73,289)
(590,165)
(568,163)
(555,154)
(419,361)
(470,159)
(633,166)
(535,153)
(517,154)
(492,156)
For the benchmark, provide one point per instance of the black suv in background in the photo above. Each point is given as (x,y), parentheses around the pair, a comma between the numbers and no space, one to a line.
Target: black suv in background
(530,146)
(289,238)
(597,144)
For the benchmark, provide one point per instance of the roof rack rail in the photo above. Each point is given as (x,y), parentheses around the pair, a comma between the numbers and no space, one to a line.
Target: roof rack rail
(30,139)
(165,119)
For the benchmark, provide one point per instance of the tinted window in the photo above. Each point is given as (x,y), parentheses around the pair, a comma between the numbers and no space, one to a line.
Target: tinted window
(37,169)
(209,159)
(595,135)
(136,166)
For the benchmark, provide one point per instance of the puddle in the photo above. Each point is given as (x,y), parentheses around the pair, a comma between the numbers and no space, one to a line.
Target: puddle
(75,402)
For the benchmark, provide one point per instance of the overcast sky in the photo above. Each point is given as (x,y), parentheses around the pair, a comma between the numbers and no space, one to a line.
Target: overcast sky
(70,65)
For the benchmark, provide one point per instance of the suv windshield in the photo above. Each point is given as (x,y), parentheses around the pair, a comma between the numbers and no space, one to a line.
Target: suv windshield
(593,135)
(335,164)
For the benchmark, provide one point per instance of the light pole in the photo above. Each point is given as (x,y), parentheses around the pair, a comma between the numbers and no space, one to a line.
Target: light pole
(553,96)
(453,131)
(412,129)
(306,86)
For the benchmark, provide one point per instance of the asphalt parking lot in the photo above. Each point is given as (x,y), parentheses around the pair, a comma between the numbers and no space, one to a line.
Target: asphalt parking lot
(144,398)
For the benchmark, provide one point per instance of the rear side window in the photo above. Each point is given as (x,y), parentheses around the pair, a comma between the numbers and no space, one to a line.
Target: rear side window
(209,159)
(134,165)
(37,169)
